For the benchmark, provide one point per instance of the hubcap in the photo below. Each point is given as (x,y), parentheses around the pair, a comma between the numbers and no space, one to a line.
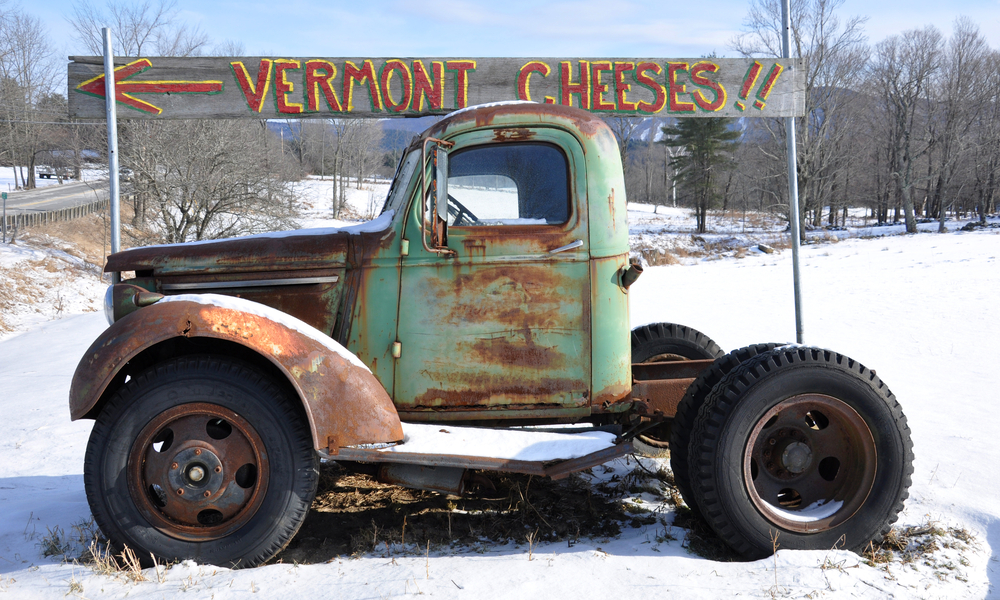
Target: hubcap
(198,471)
(809,463)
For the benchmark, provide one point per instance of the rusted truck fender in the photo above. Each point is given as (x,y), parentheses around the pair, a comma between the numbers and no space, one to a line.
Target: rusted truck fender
(346,405)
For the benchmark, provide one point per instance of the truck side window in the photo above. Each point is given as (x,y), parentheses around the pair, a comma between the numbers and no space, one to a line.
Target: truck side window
(508,184)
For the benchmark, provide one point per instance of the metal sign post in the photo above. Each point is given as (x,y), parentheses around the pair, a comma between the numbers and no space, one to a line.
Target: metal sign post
(793,180)
(4,194)
(112,115)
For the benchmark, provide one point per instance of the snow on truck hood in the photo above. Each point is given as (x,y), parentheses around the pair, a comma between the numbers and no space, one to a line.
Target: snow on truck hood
(381,223)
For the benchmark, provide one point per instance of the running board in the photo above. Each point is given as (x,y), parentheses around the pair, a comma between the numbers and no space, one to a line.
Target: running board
(555,469)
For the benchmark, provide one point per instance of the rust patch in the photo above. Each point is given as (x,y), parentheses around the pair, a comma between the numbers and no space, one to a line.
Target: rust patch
(611,208)
(512,134)
(501,351)
(505,294)
(474,247)
(587,123)
(605,400)
(497,393)
(661,395)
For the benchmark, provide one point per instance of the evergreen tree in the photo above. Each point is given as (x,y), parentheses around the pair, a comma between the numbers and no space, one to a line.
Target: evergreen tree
(708,145)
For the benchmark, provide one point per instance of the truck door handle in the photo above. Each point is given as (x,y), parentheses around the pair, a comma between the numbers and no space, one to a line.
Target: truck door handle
(569,246)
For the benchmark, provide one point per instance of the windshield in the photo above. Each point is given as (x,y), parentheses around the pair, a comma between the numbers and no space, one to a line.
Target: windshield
(397,193)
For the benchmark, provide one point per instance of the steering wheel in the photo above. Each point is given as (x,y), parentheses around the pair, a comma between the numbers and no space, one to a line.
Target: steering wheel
(462,215)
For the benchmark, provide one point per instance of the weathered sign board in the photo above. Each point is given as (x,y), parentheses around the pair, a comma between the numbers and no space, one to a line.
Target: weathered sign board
(268,87)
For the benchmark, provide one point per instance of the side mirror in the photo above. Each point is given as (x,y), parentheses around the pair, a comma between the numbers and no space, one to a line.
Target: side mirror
(441,182)
(434,196)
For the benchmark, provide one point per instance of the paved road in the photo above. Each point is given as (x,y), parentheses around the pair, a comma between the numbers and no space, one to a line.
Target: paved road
(55,197)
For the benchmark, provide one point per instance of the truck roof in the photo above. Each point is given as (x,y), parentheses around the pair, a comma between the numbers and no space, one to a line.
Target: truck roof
(513,114)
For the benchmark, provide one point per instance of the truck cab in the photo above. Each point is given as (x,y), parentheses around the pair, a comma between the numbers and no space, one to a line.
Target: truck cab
(495,317)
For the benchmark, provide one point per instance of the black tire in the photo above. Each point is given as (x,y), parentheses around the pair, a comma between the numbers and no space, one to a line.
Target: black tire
(669,341)
(804,444)
(666,342)
(687,412)
(201,458)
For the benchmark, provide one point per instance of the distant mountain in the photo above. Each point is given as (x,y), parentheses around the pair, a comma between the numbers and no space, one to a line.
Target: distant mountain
(398,132)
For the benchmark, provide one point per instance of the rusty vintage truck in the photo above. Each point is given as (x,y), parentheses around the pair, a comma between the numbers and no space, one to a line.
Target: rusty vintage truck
(491,292)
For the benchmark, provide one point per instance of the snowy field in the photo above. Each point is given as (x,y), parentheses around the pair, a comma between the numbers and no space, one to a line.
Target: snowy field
(920,309)
(8,183)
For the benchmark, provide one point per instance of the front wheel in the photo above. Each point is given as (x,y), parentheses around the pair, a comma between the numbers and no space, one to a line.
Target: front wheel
(201,458)
(803,445)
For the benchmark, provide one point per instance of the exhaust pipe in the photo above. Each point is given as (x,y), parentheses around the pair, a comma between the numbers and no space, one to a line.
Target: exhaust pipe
(447,480)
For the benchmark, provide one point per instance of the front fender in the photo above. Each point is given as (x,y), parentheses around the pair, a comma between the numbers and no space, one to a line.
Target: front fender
(345,403)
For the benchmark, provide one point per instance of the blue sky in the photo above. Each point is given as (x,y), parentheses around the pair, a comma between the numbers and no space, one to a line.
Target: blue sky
(299,28)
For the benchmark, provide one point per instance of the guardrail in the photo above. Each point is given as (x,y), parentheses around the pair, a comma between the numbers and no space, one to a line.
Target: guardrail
(15,222)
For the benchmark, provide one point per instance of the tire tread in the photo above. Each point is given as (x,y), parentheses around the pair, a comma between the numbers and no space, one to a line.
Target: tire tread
(720,402)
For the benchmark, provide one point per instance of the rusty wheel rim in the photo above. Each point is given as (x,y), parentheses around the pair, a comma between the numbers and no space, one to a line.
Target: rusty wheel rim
(198,472)
(809,463)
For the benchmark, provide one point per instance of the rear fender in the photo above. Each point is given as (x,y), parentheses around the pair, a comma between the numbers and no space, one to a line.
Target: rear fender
(345,404)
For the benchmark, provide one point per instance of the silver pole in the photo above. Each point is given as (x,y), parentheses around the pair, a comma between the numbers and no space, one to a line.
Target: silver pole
(109,100)
(793,180)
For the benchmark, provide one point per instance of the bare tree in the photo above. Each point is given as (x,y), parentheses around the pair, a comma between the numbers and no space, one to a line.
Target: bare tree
(986,159)
(625,129)
(955,103)
(902,68)
(832,51)
(27,82)
(355,149)
(138,28)
(201,187)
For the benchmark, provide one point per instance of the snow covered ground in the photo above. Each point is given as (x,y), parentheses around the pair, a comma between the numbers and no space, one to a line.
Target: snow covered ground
(921,309)
(8,183)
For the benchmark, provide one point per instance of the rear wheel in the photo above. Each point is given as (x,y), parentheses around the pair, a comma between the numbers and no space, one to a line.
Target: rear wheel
(201,458)
(801,443)
(662,342)
(687,411)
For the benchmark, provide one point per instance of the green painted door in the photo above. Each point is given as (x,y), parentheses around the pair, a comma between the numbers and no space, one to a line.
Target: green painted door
(504,325)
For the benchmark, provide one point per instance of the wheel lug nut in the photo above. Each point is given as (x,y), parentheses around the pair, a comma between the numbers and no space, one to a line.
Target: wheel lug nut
(218,469)
(180,492)
(207,493)
(174,466)
(781,473)
(767,453)
(770,465)
(772,441)
(197,451)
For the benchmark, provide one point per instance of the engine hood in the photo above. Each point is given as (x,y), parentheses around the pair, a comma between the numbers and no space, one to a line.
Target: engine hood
(322,248)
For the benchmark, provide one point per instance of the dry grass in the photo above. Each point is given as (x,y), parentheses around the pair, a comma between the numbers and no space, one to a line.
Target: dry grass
(750,220)
(18,288)
(124,567)
(354,514)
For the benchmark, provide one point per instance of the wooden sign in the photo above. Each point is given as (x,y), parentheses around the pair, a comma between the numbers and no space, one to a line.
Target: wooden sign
(273,88)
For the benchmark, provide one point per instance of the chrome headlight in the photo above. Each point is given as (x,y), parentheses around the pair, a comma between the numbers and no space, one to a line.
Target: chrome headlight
(109,305)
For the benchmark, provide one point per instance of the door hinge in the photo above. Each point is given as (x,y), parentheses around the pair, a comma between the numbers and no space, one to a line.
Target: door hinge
(404,247)
(397,349)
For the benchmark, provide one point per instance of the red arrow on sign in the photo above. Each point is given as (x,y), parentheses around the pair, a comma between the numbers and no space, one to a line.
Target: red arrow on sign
(95,87)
